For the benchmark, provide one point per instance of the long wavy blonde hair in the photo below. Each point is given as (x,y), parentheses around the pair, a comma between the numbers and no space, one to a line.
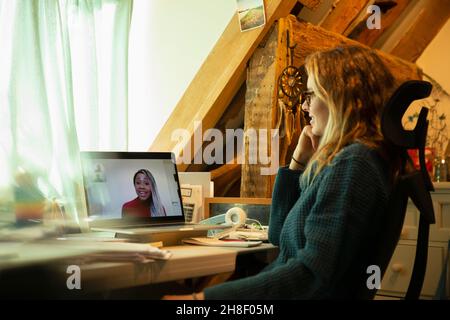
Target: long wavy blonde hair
(355,85)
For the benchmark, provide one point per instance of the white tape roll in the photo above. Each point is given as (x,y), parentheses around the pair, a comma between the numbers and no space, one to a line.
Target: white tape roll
(235,216)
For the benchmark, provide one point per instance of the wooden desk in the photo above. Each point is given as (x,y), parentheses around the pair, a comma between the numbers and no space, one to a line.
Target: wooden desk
(188,261)
(47,276)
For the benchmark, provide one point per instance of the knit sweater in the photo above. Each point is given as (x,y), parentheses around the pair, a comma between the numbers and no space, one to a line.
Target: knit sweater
(324,231)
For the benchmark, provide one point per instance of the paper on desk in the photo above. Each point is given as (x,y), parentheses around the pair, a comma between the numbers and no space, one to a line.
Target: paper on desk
(249,235)
(221,243)
(122,251)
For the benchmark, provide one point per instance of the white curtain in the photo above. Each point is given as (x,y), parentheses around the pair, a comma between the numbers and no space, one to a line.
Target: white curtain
(56,57)
(98,34)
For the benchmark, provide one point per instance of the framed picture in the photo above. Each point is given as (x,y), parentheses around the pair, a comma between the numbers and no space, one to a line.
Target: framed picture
(256,208)
(251,14)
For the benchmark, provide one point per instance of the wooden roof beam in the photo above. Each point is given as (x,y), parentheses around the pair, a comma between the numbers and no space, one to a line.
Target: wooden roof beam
(310,38)
(361,33)
(426,26)
(311,4)
(343,15)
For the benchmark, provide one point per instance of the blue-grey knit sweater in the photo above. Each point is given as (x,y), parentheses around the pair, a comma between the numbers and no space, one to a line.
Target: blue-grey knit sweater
(324,231)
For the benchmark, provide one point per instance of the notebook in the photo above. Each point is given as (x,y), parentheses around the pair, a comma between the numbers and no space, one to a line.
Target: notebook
(134,193)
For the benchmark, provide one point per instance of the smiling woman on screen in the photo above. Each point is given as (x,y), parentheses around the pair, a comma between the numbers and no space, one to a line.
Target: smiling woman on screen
(148,202)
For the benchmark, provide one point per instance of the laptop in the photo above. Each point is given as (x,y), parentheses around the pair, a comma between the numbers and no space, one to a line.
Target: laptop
(134,193)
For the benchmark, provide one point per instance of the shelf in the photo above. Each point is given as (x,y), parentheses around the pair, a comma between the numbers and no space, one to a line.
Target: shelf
(441,185)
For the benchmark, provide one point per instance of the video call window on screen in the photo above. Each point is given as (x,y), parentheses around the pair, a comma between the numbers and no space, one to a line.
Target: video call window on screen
(131,188)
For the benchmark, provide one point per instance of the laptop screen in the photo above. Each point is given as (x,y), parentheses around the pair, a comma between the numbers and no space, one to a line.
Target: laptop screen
(132,186)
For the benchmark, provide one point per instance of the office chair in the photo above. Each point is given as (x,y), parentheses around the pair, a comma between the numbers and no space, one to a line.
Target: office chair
(414,184)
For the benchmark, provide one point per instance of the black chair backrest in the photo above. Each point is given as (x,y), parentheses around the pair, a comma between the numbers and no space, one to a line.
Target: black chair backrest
(415,185)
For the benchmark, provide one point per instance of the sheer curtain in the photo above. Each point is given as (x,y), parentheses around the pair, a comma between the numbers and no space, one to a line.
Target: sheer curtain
(55,58)
(98,34)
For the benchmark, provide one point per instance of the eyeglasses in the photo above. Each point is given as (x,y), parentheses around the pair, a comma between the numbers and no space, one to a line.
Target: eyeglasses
(307,96)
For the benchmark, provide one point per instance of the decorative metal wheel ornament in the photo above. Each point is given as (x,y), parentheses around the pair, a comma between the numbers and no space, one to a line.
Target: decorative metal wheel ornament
(290,82)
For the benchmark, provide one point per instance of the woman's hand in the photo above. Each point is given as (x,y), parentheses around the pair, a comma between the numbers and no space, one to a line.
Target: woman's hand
(306,146)
(199,296)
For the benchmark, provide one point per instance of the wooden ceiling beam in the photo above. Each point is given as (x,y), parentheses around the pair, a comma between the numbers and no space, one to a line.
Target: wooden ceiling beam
(425,27)
(310,4)
(367,36)
(343,15)
(217,80)
(310,38)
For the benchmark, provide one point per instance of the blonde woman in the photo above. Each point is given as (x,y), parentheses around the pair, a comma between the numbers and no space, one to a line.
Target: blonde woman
(147,203)
(327,206)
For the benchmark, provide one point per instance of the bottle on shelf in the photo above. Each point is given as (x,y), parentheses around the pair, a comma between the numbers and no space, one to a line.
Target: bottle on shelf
(440,169)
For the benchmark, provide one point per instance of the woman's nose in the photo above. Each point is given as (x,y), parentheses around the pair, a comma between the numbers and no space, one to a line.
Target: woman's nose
(305,106)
